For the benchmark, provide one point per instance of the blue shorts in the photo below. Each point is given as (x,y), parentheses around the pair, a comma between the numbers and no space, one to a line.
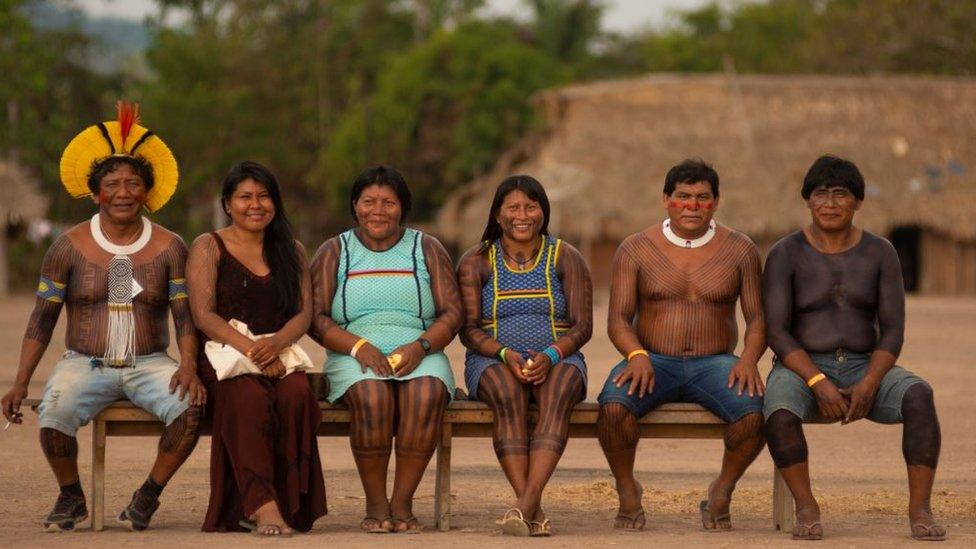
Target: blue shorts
(787,391)
(701,379)
(77,391)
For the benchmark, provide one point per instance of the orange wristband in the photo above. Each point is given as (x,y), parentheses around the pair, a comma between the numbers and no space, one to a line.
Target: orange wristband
(362,341)
(637,352)
(816,379)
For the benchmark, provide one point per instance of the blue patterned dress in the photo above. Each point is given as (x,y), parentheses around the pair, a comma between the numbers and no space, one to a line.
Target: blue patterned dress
(386,298)
(523,310)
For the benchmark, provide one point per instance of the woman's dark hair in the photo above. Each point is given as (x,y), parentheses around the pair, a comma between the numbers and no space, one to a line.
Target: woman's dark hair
(692,170)
(831,171)
(280,252)
(532,189)
(100,169)
(383,176)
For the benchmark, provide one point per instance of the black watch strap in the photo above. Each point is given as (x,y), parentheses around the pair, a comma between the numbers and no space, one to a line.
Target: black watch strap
(425,344)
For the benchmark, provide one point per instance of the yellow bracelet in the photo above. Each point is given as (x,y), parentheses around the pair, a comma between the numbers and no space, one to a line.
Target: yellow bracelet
(362,341)
(637,352)
(816,379)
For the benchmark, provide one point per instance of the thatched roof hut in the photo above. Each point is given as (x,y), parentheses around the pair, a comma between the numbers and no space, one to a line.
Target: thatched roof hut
(606,147)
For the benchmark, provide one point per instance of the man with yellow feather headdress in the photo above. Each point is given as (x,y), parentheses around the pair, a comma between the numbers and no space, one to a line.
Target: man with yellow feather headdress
(118,273)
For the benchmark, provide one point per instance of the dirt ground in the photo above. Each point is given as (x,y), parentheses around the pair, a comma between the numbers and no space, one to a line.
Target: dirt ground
(859,475)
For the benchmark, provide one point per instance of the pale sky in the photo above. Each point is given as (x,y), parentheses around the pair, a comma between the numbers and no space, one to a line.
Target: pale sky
(620,15)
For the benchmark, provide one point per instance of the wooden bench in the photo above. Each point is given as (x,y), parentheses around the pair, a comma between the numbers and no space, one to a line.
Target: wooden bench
(463,418)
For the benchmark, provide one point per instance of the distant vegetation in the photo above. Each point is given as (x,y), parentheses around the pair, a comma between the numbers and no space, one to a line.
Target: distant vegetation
(319,89)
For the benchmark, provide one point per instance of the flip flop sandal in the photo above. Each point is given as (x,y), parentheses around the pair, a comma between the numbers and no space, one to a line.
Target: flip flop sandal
(922,532)
(540,528)
(377,529)
(637,521)
(408,521)
(806,531)
(707,517)
(513,523)
(265,530)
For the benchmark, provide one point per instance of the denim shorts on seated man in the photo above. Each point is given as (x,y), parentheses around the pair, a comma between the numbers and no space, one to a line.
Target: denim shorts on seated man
(700,379)
(79,388)
(787,391)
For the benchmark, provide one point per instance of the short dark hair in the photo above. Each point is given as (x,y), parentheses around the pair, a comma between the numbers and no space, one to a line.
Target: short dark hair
(383,176)
(831,171)
(101,168)
(691,170)
(532,189)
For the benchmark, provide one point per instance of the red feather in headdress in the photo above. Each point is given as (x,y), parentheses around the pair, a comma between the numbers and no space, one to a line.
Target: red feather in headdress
(128,115)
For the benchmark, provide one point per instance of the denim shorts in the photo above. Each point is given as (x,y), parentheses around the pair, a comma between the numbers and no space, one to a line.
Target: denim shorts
(700,379)
(78,390)
(785,390)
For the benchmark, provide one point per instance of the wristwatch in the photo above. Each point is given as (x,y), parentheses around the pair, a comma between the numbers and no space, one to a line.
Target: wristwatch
(425,344)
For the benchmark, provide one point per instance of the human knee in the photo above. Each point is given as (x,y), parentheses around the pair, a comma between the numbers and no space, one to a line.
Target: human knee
(181,435)
(427,393)
(747,430)
(922,438)
(617,427)
(919,400)
(784,434)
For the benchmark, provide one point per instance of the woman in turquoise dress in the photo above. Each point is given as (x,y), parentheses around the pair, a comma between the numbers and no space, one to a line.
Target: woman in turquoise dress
(527,312)
(385,305)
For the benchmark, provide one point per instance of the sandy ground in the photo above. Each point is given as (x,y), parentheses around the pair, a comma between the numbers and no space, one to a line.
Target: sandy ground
(859,475)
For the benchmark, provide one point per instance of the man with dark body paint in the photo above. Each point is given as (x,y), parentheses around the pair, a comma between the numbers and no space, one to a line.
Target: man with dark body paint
(835,308)
(672,315)
(122,308)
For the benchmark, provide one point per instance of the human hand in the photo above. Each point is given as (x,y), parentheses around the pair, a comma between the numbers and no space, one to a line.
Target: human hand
(411,355)
(748,378)
(537,368)
(188,383)
(860,398)
(11,403)
(263,352)
(517,365)
(831,402)
(275,370)
(640,373)
(371,357)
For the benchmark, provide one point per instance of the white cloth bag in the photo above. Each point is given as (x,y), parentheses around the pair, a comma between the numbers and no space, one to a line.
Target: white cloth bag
(228,362)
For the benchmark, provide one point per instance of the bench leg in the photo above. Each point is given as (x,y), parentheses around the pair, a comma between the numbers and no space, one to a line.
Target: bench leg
(442,483)
(98,475)
(783,512)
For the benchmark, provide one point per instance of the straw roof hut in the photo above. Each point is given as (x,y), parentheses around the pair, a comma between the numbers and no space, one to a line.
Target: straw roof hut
(606,147)
(20,201)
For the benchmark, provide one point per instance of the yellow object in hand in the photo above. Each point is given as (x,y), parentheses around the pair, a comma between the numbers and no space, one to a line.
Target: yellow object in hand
(394,360)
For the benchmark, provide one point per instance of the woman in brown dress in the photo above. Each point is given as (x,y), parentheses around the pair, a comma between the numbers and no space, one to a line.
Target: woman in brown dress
(265,473)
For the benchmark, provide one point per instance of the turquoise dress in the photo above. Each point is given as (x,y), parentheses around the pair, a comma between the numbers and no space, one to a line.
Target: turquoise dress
(386,298)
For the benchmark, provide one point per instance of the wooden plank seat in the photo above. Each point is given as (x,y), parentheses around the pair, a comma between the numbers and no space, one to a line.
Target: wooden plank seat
(463,418)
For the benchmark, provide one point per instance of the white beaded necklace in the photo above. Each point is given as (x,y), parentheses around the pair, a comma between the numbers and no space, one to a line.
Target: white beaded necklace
(684,242)
(116,249)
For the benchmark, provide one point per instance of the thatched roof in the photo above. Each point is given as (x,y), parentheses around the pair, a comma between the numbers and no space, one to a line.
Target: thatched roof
(20,198)
(608,145)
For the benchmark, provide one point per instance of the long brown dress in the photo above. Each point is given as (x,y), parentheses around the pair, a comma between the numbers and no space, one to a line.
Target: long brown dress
(264,430)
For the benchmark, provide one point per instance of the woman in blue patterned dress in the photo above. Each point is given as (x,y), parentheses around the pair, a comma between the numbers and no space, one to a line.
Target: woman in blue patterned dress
(528,309)
(385,305)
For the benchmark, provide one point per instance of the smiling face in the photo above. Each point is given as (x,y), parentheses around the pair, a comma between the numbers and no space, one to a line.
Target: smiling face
(250,206)
(378,212)
(691,207)
(832,208)
(121,194)
(520,217)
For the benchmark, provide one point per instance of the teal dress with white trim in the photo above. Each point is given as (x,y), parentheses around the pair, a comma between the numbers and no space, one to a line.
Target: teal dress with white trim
(386,298)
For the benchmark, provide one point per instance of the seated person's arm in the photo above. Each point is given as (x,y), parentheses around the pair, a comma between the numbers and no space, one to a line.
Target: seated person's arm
(574,274)
(447,299)
(201,280)
(750,298)
(623,302)
(298,325)
(324,330)
(179,304)
(51,291)
(472,275)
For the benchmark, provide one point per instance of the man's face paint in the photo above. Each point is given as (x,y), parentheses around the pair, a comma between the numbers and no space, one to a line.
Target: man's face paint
(121,194)
(691,207)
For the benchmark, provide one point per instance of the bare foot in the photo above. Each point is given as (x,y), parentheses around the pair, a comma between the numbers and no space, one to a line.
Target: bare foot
(924,526)
(808,525)
(715,511)
(630,516)
(270,522)
(404,522)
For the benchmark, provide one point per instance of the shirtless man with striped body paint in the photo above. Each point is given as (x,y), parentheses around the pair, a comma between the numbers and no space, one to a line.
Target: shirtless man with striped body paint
(672,316)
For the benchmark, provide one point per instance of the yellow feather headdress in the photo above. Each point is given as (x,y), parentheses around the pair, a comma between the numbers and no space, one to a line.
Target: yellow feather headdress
(124,137)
